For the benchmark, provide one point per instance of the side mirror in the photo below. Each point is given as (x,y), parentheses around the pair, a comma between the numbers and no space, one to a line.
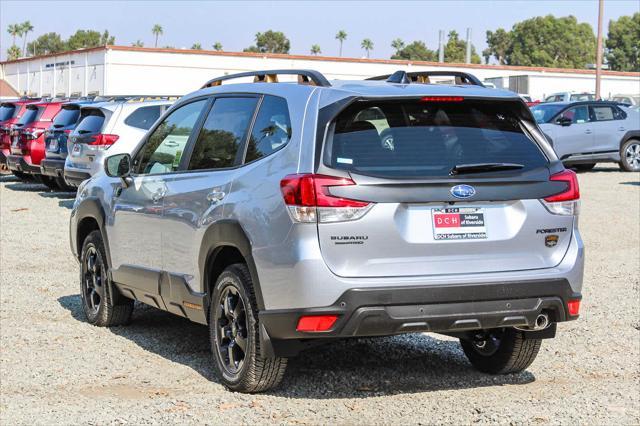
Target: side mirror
(118,165)
(564,121)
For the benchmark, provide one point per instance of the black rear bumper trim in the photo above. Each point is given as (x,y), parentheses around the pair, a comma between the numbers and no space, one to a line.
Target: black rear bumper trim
(52,167)
(18,164)
(75,178)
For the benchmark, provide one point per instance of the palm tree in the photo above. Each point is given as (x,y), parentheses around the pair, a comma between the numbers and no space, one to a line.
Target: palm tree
(14,30)
(367,45)
(315,49)
(156,31)
(397,44)
(341,36)
(217,46)
(26,28)
(196,46)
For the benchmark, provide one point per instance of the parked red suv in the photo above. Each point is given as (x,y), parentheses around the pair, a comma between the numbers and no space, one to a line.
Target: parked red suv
(27,140)
(10,113)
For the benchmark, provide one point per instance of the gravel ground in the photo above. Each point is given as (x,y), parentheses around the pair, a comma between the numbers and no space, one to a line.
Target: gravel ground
(55,368)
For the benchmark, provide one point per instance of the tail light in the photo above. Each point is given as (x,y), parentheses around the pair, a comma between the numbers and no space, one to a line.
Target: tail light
(103,141)
(567,202)
(314,323)
(32,133)
(308,199)
(573,306)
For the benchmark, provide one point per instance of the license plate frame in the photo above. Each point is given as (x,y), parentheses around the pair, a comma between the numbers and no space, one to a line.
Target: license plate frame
(459,223)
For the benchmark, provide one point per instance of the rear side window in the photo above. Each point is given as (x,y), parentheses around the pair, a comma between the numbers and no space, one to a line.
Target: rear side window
(581,97)
(144,117)
(222,133)
(409,139)
(607,113)
(30,115)
(272,129)
(91,121)
(7,111)
(66,117)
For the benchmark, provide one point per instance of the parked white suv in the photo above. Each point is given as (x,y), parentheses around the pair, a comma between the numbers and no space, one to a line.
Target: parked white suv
(570,97)
(109,128)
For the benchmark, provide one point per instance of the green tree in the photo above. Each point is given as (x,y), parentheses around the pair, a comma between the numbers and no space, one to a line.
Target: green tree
(13,52)
(398,45)
(196,46)
(25,28)
(367,45)
(623,43)
(547,41)
(137,43)
(416,51)
(315,49)
(341,36)
(456,50)
(14,30)
(83,39)
(106,39)
(270,42)
(217,46)
(157,32)
(47,43)
(499,43)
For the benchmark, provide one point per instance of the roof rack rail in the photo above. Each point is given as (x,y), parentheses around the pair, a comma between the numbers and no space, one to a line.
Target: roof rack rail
(403,77)
(311,77)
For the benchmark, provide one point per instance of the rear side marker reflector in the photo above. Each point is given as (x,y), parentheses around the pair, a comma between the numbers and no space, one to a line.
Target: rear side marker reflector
(314,323)
(573,306)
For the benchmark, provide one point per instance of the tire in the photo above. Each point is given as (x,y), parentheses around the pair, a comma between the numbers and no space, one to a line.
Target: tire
(584,167)
(233,323)
(63,186)
(22,176)
(48,181)
(504,351)
(100,308)
(630,156)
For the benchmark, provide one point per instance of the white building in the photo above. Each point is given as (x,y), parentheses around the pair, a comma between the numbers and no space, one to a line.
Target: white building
(118,70)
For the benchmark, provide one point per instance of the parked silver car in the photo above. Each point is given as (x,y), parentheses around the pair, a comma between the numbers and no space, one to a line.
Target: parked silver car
(107,128)
(586,133)
(285,215)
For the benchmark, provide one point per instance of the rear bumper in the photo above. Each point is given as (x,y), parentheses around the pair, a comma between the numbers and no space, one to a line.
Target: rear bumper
(442,309)
(75,178)
(17,163)
(52,167)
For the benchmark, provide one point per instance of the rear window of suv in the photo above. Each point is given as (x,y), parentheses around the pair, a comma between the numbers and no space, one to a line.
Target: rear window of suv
(412,138)
(67,116)
(91,121)
(30,115)
(7,111)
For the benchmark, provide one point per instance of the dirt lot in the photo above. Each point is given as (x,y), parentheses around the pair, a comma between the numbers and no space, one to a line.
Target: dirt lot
(55,368)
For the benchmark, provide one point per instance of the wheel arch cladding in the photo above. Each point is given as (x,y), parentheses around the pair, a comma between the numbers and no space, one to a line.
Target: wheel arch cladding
(223,244)
(631,134)
(90,217)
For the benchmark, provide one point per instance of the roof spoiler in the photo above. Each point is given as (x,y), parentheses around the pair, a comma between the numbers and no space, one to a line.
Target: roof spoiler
(403,77)
(310,77)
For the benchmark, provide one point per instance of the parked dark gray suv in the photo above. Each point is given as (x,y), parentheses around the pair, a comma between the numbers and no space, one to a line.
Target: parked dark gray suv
(286,214)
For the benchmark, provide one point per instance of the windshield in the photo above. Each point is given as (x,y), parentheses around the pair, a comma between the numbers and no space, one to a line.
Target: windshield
(30,115)
(67,116)
(7,111)
(427,139)
(544,112)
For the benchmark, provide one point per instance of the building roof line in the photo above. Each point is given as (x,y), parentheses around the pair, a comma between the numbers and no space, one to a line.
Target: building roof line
(397,62)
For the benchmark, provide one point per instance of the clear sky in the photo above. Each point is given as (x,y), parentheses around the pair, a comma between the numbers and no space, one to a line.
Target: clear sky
(234,24)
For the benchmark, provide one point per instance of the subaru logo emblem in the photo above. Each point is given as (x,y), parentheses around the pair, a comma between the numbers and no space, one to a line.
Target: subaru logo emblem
(463,191)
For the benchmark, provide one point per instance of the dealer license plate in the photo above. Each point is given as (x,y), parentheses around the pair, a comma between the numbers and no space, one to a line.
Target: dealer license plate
(459,223)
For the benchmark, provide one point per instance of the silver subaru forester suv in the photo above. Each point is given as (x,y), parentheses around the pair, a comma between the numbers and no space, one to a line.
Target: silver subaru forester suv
(283,214)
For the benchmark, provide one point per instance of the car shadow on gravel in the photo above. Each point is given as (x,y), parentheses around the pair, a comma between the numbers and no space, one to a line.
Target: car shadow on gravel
(353,368)
(30,186)
(633,183)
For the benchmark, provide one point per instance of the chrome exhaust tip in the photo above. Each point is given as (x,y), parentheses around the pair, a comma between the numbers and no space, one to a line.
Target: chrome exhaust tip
(542,322)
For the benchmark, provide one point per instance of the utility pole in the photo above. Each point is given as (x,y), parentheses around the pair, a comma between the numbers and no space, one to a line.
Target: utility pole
(468,57)
(599,51)
(441,46)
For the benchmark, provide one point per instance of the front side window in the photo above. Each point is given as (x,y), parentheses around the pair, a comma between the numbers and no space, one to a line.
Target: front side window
(413,139)
(272,129)
(163,149)
(543,113)
(577,115)
(222,134)
(143,117)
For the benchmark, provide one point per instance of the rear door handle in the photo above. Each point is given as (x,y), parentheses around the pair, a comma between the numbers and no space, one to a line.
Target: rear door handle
(622,129)
(215,196)
(588,132)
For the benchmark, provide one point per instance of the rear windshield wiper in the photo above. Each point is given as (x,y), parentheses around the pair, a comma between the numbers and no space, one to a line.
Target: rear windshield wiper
(483,167)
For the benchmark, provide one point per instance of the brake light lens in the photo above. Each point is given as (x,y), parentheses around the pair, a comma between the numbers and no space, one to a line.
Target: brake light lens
(308,199)
(314,323)
(567,202)
(103,141)
(442,99)
(573,306)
